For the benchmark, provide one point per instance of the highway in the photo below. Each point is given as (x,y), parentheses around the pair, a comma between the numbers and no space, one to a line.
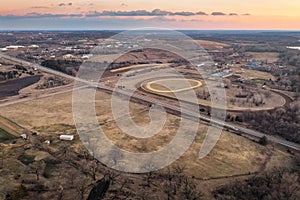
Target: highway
(30,98)
(183,111)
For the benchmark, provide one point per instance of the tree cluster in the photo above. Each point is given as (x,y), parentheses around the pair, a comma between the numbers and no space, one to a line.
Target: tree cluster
(284,122)
(277,184)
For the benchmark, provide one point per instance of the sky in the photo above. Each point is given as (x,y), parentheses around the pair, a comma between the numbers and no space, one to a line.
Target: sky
(133,14)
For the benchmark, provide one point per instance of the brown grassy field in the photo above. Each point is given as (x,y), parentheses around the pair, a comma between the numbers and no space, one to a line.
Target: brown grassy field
(211,45)
(232,155)
(264,56)
(253,74)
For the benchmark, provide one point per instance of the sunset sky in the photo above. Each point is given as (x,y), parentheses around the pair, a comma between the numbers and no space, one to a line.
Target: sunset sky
(131,14)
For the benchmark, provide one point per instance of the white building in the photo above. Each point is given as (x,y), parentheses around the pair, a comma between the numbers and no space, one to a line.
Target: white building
(68,56)
(14,47)
(66,137)
(87,56)
(33,46)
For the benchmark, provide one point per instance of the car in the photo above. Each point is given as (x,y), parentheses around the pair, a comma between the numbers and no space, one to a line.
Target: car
(236,129)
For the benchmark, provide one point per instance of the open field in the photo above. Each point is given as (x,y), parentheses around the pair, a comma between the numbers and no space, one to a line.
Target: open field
(264,56)
(138,56)
(253,74)
(9,129)
(41,112)
(232,155)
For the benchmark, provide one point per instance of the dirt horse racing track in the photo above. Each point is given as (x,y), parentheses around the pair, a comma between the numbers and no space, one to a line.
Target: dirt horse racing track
(168,86)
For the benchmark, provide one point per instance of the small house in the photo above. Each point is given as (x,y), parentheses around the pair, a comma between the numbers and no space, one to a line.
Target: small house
(24,136)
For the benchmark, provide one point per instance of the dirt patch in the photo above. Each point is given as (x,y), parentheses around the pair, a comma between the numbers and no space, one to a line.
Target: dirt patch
(170,85)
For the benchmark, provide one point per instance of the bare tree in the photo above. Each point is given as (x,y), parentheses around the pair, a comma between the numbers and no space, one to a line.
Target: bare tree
(82,187)
(112,176)
(60,193)
(38,168)
(169,189)
(149,178)
(2,156)
(179,169)
(189,190)
(72,177)
(93,168)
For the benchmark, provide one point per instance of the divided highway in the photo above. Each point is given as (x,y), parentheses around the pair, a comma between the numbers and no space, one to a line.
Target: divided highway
(186,112)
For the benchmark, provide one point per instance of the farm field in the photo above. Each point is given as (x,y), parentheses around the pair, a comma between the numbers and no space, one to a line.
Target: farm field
(12,87)
(8,129)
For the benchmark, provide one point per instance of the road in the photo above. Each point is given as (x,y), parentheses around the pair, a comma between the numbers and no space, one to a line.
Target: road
(22,100)
(183,111)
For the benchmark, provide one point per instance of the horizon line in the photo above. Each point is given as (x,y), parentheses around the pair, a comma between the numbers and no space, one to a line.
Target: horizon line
(270,30)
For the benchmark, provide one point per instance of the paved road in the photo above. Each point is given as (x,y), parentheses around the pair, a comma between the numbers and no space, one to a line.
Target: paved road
(148,99)
(22,100)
